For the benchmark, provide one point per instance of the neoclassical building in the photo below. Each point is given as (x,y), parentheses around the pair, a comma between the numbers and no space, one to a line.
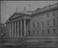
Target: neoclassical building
(18,23)
(44,21)
(40,22)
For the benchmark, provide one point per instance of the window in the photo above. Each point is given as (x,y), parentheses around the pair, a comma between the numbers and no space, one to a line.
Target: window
(48,22)
(48,31)
(48,14)
(54,30)
(33,25)
(29,32)
(33,32)
(37,24)
(54,22)
(16,26)
(42,31)
(37,31)
(53,13)
(42,24)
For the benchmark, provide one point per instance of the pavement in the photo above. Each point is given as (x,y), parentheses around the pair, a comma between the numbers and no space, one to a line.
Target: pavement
(46,44)
(20,44)
(39,45)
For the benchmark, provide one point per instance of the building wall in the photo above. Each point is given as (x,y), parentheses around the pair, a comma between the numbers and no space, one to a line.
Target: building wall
(0,11)
(44,24)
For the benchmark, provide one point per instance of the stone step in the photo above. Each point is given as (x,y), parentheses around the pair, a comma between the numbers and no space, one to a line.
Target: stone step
(12,44)
(41,44)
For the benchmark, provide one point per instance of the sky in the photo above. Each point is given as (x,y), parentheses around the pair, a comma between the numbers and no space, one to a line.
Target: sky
(9,7)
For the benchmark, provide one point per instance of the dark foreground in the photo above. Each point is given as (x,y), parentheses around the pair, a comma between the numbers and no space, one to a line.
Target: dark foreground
(31,43)
(37,45)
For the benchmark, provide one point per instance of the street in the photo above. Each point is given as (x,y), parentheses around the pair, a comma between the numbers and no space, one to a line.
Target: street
(38,43)
(47,44)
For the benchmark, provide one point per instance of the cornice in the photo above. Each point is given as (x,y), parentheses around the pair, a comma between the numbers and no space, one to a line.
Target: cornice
(45,9)
(34,13)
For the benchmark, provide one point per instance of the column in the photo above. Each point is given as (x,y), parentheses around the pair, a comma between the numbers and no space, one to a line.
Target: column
(40,29)
(12,30)
(8,29)
(43,28)
(28,29)
(31,28)
(17,28)
(24,27)
(35,28)
(56,22)
(21,27)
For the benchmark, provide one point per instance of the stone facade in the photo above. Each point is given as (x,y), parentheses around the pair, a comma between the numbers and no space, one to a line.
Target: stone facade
(17,25)
(42,22)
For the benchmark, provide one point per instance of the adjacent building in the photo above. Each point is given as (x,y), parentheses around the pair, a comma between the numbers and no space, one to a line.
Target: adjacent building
(40,22)
(44,21)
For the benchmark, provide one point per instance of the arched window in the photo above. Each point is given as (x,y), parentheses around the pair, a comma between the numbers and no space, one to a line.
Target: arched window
(54,30)
(37,24)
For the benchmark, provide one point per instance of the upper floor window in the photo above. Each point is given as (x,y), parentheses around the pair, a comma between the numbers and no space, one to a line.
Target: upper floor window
(54,30)
(38,24)
(48,14)
(37,31)
(53,13)
(33,25)
(48,31)
(48,22)
(33,32)
(42,31)
(42,24)
(54,22)
(29,32)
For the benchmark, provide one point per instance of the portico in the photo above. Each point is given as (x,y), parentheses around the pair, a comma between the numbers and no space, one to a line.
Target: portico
(18,27)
